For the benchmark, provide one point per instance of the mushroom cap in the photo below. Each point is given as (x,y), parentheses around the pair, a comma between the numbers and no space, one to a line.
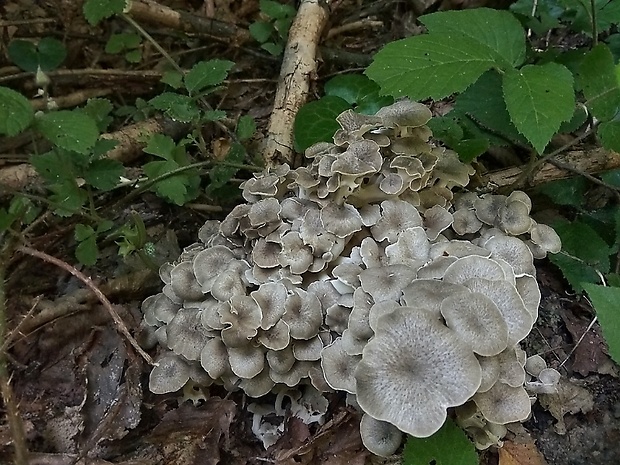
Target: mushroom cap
(473,266)
(405,113)
(430,293)
(341,220)
(275,338)
(528,289)
(397,215)
(339,367)
(514,218)
(246,361)
(546,238)
(477,321)
(243,317)
(465,221)
(411,248)
(214,358)
(209,263)
(361,158)
(411,352)
(387,283)
(535,364)
(259,385)
(281,361)
(504,404)
(186,334)
(380,437)
(169,374)
(303,314)
(183,282)
(271,298)
(436,220)
(513,251)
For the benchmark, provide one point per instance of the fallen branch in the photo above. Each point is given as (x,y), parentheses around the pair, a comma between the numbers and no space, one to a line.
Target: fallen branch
(118,321)
(131,140)
(298,68)
(70,100)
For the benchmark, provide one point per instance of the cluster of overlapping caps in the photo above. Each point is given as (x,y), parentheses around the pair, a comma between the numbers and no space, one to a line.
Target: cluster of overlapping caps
(369,271)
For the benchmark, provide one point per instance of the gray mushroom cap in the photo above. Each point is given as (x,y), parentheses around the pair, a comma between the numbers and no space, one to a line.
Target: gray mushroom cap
(380,437)
(169,374)
(208,264)
(339,367)
(303,314)
(183,282)
(243,317)
(546,238)
(186,334)
(504,404)
(397,215)
(387,283)
(411,351)
(214,358)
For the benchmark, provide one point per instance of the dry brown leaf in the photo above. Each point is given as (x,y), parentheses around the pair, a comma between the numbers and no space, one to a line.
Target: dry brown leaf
(513,453)
(591,352)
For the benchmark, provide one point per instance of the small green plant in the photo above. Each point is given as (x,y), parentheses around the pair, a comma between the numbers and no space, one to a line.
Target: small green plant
(271,31)
(505,92)
(127,43)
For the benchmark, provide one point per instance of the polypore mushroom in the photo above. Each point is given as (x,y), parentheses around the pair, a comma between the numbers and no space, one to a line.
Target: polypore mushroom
(169,374)
(209,263)
(397,215)
(303,314)
(513,251)
(503,404)
(243,317)
(436,220)
(186,335)
(214,358)
(339,367)
(546,238)
(380,437)
(411,351)
(387,283)
(477,321)
(246,361)
(183,282)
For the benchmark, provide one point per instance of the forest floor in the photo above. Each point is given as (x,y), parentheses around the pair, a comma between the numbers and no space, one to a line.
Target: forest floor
(79,387)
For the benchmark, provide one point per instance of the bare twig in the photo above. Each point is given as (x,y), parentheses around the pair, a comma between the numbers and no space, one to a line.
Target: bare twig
(354,26)
(298,68)
(70,100)
(120,324)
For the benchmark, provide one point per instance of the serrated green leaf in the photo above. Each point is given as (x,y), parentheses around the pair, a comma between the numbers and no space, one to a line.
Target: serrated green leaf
(51,53)
(176,106)
(448,446)
(261,31)
(607,14)
(23,53)
(104,174)
(539,98)
(99,109)
(276,10)
(102,147)
(460,46)
(497,33)
(273,48)
(582,242)
(580,116)
(316,121)
(609,133)
(246,127)
(484,103)
(597,79)
(173,189)
(576,272)
(566,191)
(161,145)
(207,73)
(351,87)
(96,10)
(605,301)
(16,113)
(214,115)
(446,129)
(69,130)
(54,167)
(470,149)
(68,197)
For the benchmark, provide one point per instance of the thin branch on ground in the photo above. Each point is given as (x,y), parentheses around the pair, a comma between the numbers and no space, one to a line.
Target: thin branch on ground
(120,324)
(298,68)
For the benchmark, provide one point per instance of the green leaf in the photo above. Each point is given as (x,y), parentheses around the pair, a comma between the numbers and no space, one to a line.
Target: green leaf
(173,188)
(607,14)
(446,129)
(613,279)
(246,127)
(566,191)
(176,106)
(96,10)
(605,301)
(173,78)
(67,197)
(16,113)
(276,10)
(316,121)
(54,167)
(372,103)
(47,54)
(580,116)
(161,145)
(609,133)
(484,103)
(69,130)
(351,87)
(99,109)
(214,115)
(575,271)
(104,174)
(613,42)
(272,48)
(470,149)
(582,242)
(597,79)
(448,446)
(221,174)
(51,53)
(261,31)
(207,73)
(539,98)
(460,46)
(24,54)
(123,41)
(135,56)
(86,251)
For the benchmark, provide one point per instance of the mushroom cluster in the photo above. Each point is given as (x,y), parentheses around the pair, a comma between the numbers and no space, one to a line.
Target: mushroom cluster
(363,272)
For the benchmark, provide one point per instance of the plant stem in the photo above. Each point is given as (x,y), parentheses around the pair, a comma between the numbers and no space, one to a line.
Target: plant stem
(594,28)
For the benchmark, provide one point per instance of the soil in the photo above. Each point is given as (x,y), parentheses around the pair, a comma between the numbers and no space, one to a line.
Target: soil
(79,387)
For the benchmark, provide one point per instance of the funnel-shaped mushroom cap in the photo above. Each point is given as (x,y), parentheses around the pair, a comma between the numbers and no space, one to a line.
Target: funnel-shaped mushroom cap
(398,215)
(183,282)
(504,404)
(169,374)
(513,251)
(379,437)
(413,370)
(405,113)
(473,266)
(209,263)
(339,367)
(477,321)
(186,334)
(387,283)
(546,238)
